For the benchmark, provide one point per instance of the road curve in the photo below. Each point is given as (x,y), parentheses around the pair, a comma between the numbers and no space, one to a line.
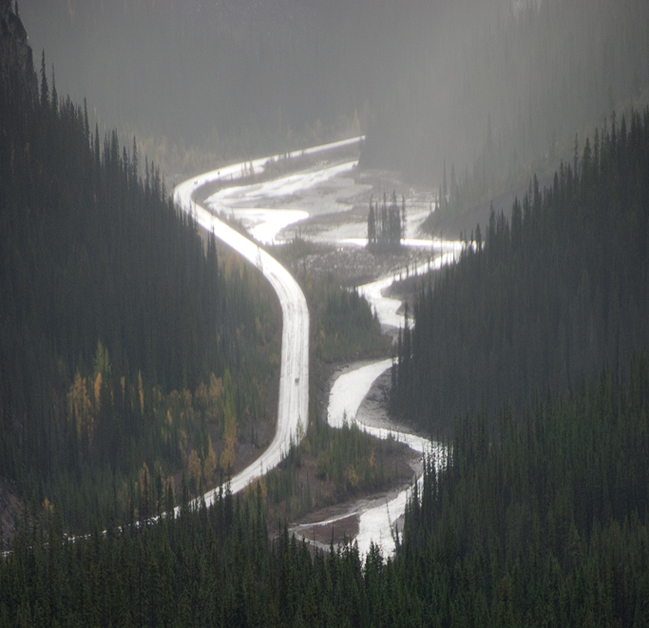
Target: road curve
(294,362)
(293,406)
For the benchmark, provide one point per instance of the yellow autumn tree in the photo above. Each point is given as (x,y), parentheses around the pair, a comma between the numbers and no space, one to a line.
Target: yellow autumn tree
(351,477)
(209,464)
(229,424)
(182,445)
(101,376)
(80,406)
(194,469)
(140,389)
(97,391)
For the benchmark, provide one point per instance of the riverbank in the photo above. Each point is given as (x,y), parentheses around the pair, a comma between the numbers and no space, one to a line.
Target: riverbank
(340,521)
(323,246)
(336,474)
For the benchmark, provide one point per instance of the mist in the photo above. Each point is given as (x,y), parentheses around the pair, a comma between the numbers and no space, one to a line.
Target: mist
(484,88)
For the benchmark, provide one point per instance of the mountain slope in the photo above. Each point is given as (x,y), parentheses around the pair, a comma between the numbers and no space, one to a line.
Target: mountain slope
(554,294)
(127,354)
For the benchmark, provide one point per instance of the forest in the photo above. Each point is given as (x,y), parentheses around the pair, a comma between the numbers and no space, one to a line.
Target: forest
(547,298)
(537,517)
(544,524)
(483,108)
(129,351)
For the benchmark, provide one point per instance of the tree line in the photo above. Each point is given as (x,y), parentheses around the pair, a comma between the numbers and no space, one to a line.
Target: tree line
(541,519)
(540,523)
(386,223)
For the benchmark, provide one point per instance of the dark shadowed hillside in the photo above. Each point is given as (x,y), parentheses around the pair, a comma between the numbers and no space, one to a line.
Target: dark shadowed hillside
(128,352)
(493,105)
(546,298)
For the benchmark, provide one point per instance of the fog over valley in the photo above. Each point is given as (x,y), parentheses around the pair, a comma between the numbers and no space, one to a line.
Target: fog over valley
(234,78)
(324,313)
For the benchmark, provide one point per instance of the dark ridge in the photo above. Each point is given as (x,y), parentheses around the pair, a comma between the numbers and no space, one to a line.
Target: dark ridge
(16,61)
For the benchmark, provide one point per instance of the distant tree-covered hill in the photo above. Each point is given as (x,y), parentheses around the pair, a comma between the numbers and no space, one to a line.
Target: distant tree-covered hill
(493,104)
(231,78)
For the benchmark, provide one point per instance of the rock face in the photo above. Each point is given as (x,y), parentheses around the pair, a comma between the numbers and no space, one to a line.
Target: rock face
(16,60)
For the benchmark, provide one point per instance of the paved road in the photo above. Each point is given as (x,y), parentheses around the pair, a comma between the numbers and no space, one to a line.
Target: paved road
(293,403)
(294,362)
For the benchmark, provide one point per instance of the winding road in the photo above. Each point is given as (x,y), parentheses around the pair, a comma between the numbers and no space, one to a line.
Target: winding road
(293,406)
(377,517)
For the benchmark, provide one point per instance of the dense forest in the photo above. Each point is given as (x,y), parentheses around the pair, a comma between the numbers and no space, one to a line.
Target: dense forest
(543,519)
(547,298)
(128,351)
(545,525)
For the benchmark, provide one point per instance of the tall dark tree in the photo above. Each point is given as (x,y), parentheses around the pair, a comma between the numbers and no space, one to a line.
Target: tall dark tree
(386,224)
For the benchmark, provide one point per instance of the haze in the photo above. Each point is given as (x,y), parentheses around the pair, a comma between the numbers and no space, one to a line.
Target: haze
(483,89)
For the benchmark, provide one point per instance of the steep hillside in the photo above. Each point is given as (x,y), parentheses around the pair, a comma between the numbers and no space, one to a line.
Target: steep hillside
(128,353)
(16,63)
(495,105)
(544,300)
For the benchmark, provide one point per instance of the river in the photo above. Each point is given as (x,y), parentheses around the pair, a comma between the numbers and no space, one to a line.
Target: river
(268,209)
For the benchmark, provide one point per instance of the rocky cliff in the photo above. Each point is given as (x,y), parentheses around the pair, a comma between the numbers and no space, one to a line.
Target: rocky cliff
(16,60)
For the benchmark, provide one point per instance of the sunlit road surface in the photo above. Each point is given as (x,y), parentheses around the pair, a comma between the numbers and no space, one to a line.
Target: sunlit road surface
(293,403)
